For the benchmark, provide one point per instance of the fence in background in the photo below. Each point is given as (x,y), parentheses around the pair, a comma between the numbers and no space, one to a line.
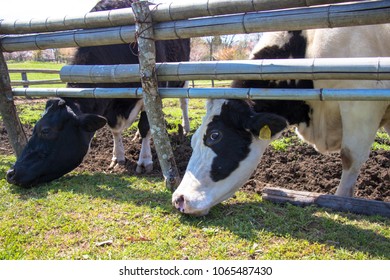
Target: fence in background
(25,82)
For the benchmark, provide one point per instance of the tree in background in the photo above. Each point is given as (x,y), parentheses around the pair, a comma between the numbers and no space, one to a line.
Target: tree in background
(199,50)
(227,47)
(64,55)
(19,56)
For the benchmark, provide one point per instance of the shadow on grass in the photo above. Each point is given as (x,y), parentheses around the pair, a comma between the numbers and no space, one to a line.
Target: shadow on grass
(245,220)
(310,223)
(116,187)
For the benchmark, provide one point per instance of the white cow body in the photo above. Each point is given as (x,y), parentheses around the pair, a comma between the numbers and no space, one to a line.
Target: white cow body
(346,126)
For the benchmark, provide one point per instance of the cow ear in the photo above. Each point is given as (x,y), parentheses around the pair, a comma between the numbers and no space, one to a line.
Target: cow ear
(55,101)
(49,103)
(92,122)
(266,125)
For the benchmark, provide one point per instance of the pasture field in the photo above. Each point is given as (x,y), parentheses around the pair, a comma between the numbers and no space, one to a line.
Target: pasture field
(93,215)
(36,76)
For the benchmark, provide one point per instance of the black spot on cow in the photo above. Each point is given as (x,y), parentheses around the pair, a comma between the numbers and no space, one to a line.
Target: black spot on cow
(295,47)
(231,133)
(295,111)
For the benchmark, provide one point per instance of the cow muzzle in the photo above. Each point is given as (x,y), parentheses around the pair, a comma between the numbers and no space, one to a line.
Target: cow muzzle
(10,176)
(15,177)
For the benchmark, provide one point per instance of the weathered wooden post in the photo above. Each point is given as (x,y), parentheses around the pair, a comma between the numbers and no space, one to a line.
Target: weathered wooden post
(11,120)
(24,79)
(151,97)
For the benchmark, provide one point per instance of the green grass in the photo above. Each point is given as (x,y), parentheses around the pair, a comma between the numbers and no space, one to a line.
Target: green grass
(30,113)
(283,143)
(36,76)
(68,218)
(34,64)
(382,141)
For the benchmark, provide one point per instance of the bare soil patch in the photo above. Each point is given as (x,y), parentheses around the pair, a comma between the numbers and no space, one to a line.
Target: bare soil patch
(299,168)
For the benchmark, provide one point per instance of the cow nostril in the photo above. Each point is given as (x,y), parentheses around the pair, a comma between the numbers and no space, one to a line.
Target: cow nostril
(10,175)
(180,199)
(179,203)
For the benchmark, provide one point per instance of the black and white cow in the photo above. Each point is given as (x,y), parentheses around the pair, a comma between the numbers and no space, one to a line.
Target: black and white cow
(228,145)
(61,138)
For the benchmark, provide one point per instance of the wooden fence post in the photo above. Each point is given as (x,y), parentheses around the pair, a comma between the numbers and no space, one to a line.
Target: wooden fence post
(151,97)
(24,79)
(11,120)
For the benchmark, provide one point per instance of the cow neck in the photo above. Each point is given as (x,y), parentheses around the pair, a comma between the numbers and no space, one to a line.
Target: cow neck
(290,44)
(294,111)
(83,106)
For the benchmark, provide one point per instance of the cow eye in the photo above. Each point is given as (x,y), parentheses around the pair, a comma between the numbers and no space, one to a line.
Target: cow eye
(45,131)
(213,137)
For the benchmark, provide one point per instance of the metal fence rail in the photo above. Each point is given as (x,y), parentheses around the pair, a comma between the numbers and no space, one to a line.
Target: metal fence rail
(160,13)
(363,13)
(238,93)
(370,68)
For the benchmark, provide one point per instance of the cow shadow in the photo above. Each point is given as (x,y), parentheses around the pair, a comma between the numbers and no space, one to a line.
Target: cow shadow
(120,188)
(245,220)
(311,223)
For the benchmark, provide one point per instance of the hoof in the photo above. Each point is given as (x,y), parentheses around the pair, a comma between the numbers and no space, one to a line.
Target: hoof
(115,164)
(112,164)
(144,168)
(139,169)
(137,137)
(186,129)
(149,168)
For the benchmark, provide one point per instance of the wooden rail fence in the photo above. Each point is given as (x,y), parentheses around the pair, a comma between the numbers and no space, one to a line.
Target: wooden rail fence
(25,82)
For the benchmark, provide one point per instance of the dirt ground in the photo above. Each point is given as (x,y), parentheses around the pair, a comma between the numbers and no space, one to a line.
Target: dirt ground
(299,168)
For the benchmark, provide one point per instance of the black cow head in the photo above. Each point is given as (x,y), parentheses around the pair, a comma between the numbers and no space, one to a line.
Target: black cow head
(59,142)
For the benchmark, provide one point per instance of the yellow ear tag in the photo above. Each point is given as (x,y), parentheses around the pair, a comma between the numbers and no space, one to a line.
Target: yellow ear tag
(265,133)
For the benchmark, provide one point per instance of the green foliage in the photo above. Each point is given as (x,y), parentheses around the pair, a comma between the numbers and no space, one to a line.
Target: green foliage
(281,144)
(173,113)
(30,113)
(382,141)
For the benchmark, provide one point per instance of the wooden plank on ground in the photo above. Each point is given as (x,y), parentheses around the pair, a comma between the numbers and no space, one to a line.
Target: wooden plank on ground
(338,203)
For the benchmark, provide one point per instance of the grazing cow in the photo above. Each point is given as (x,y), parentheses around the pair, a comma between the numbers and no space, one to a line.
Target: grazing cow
(228,145)
(61,138)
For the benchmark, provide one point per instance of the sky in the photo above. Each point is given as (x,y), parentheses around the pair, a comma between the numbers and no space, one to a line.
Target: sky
(28,9)
(11,9)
